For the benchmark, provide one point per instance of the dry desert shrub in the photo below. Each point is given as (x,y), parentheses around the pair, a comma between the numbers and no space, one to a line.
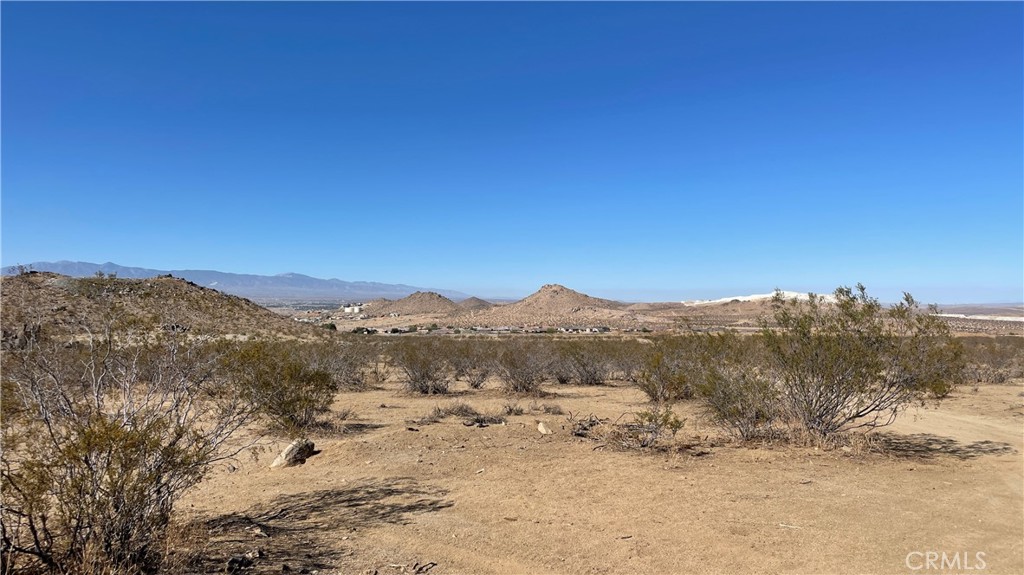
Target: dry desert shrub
(424,361)
(649,428)
(456,409)
(472,359)
(585,361)
(185,547)
(547,408)
(349,359)
(468,414)
(377,367)
(102,432)
(521,365)
(512,408)
(994,359)
(627,357)
(558,368)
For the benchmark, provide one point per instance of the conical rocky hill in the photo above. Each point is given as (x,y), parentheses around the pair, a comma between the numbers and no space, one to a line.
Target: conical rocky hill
(554,305)
(557,299)
(474,303)
(415,304)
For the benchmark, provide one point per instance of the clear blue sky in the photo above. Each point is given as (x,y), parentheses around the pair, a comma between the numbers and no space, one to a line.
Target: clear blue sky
(638,151)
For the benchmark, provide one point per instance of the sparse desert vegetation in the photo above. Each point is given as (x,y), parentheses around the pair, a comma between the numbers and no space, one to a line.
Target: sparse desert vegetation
(288,288)
(441,288)
(127,444)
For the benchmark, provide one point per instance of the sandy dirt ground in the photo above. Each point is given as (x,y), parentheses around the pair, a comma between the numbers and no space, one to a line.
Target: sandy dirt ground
(392,497)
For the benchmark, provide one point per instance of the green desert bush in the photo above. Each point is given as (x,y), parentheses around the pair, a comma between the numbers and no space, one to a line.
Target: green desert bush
(654,423)
(855,363)
(664,379)
(291,383)
(734,390)
(824,366)
(665,373)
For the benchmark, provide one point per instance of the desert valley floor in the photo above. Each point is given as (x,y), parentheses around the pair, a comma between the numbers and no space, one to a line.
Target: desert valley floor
(390,492)
(391,496)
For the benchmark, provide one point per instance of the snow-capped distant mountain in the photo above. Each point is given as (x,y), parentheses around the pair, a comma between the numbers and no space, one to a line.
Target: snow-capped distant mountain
(759,297)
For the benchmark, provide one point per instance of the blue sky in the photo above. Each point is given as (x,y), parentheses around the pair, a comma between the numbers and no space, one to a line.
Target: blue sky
(638,151)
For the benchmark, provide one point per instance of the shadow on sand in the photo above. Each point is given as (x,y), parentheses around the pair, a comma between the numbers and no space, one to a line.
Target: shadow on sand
(304,530)
(926,446)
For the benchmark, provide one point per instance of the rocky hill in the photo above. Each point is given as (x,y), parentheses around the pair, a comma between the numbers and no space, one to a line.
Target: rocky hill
(558,306)
(474,304)
(48,299)
(557,299)
(419,303)
(281,287)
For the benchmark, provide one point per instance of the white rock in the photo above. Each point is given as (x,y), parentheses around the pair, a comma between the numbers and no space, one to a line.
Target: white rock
(297,452)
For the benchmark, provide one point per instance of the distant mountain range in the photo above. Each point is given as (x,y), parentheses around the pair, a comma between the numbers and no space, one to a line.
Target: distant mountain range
(284,287)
